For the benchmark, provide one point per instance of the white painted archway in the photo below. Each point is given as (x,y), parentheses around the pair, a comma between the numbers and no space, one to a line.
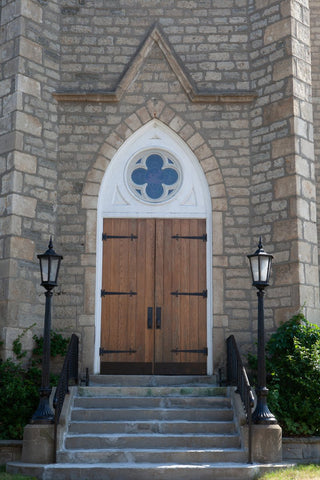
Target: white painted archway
(192,200)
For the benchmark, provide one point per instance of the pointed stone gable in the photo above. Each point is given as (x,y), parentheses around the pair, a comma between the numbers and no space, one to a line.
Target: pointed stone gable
(155,39)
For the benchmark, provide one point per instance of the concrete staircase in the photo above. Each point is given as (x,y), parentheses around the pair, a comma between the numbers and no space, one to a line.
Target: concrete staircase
(143,428)
(149,428)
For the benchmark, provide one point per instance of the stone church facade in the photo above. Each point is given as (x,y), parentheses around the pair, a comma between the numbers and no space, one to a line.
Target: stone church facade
(220,96)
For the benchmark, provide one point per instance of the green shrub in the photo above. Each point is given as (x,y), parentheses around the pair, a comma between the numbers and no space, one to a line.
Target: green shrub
(18,399)
(58,345)
(19,385)
(293,364)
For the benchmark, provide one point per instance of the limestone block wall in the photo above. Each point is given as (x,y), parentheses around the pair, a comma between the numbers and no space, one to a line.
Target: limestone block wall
(209,42)
(315,63)
(231,77)
(282,157)
(28,149)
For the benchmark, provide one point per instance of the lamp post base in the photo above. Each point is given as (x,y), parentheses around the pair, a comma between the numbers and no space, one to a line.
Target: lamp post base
(262,414)
(43,414)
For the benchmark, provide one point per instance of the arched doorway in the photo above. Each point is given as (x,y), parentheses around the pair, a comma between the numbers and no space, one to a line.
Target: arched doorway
(154,249)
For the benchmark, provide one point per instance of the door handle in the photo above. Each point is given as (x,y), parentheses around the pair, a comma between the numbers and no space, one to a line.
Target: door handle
(150,317)
(158,318)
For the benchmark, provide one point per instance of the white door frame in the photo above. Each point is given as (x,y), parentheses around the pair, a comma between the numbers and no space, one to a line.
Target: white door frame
(193,200)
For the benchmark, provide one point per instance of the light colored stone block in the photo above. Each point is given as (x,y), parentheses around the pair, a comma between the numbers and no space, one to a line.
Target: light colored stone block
(308,189)
(12,182)
(217,229)
(285,187)
(86,320)
(89,288)
(28,85)
(282,69)
(28,124)
(25,162)
(276,31)
(22,248)
(267,443)
(30,50)
(91,229)
(38,444)
(31,9)
(282,147)
(218,297)
(21,205)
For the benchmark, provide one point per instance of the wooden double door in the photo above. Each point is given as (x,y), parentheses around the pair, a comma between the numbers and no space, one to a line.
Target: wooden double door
(154,297)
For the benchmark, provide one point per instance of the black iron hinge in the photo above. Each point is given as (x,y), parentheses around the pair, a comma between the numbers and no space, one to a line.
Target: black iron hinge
(203,294)
(102,351)
(104,293)
(106,237)
(203,350)
(191,237)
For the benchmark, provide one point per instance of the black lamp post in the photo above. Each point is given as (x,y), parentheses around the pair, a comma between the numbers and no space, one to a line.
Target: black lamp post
(260,265)
(49,268)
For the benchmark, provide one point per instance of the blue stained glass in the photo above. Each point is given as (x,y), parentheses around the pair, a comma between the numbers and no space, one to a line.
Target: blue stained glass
(139,176)
(169,176)
(154,190)
(155,176)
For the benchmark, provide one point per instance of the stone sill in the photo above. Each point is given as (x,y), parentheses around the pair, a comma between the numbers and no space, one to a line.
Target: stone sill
(114,97)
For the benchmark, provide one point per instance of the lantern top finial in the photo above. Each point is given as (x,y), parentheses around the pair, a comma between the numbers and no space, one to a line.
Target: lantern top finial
(50,250)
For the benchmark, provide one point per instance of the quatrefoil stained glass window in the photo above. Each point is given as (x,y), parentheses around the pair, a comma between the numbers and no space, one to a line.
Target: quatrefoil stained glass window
(154,176)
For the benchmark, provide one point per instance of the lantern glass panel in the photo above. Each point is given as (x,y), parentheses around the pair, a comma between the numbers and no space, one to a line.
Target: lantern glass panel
(254,260)
(44,269)
(54,269)
(264,267)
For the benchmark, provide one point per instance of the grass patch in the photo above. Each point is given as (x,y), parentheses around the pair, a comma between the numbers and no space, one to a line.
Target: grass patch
(300,472)
(8,476)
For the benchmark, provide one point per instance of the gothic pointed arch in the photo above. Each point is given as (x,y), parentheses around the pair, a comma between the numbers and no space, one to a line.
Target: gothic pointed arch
(201,192)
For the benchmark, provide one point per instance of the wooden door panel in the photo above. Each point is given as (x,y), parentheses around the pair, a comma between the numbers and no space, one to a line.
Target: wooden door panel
(152,259)
(128,266)
(183,328)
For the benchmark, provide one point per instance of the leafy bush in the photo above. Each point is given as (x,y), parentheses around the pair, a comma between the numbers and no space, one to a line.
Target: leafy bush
(19,385)
(18,399)
(293,364)
(58,345)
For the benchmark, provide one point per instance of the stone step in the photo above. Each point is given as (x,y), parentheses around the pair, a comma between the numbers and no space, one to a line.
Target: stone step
(144,471)
(152,426)
(150,471)
(183,456)
(152,402)
(152,391)
(153,440)
(134,414)
(151,380)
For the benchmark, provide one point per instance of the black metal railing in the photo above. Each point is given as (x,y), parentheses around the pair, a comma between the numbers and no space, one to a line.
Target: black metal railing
(237,376)
(69,373)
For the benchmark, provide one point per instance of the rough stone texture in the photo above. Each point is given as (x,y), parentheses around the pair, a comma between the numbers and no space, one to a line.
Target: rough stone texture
(257,155)
(266,443)
(301,449)
(10,451)
(38,444)
(315,63)
(29,72)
